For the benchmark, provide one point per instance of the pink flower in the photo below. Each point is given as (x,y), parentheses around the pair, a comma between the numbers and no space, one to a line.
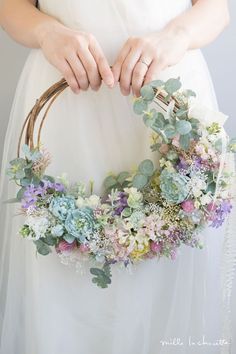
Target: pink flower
(175,140)
(164,149)
(83,248)
(155,247)
(188,206)
(64,246)
(211,207)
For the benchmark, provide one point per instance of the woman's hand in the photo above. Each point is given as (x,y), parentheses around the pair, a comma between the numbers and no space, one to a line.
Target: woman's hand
(142,59)
(78,56)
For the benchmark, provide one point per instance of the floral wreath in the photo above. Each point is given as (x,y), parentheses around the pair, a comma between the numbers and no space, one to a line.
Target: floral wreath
(146,213)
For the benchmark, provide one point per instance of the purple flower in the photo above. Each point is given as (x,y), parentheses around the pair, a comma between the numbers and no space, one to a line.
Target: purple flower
(198,162)
(121,203)
(220,213)
(31,195)
(182,164)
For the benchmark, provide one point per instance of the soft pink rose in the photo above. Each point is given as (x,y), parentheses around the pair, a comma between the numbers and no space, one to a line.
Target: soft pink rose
(155,247)
(188,206)
(64,246)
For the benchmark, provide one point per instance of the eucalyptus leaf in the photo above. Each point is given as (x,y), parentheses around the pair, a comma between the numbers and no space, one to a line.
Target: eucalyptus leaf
(140,106)
(182,113)
(157,83)
(184,141)
(172,85)
(49,178)
(170,131)
(147,93)
(20,194)
(122,177)
(102,276)
(146,167)
(42,248)
(139,181)
(183,127)
(50,240)
(160,121)
(110,182)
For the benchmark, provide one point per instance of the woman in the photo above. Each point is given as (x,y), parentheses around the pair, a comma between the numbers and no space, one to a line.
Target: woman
(104,47)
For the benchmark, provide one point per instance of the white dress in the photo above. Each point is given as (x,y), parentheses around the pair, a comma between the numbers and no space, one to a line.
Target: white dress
(45,306)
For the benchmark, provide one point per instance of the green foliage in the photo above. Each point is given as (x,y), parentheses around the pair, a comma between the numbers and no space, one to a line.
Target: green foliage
(20,194)
(50,240)
(102,276)
(42,248)
(183,127)
(31,155)
(140,181)
(146,168)
(122,176)
(110,182)
(157,83)
(140,105)
(147,93)
(172,85)
(169,131)
(185,141)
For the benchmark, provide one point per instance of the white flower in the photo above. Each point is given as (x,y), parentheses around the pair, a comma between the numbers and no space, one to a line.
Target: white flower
(205,199)
(93,201)
(197,185)
(204,114)
(39,225)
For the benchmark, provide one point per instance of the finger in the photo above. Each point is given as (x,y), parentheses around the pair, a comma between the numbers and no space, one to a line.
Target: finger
(79,71)
(91,68)
(139,72)
(127,70)
(102,63)
(116,68)
(67,72)
(154,70)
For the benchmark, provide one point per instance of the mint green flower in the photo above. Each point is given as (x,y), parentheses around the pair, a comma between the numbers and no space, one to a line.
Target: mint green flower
(80,223)
(60,206)
(135,197)
(57,230)
(174,186)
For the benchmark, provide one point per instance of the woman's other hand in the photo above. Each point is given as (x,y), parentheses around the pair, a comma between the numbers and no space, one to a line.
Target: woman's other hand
(142,58)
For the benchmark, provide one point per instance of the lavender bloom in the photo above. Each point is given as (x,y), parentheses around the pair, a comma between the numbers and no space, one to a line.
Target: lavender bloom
(121,203)
(31,195)
(182,165)
(221,213)
(58,187)
(198,163)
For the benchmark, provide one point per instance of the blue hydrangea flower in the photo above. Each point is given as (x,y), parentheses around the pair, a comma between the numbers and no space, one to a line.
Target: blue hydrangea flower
(60,206)
(80,223)
(174,187)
